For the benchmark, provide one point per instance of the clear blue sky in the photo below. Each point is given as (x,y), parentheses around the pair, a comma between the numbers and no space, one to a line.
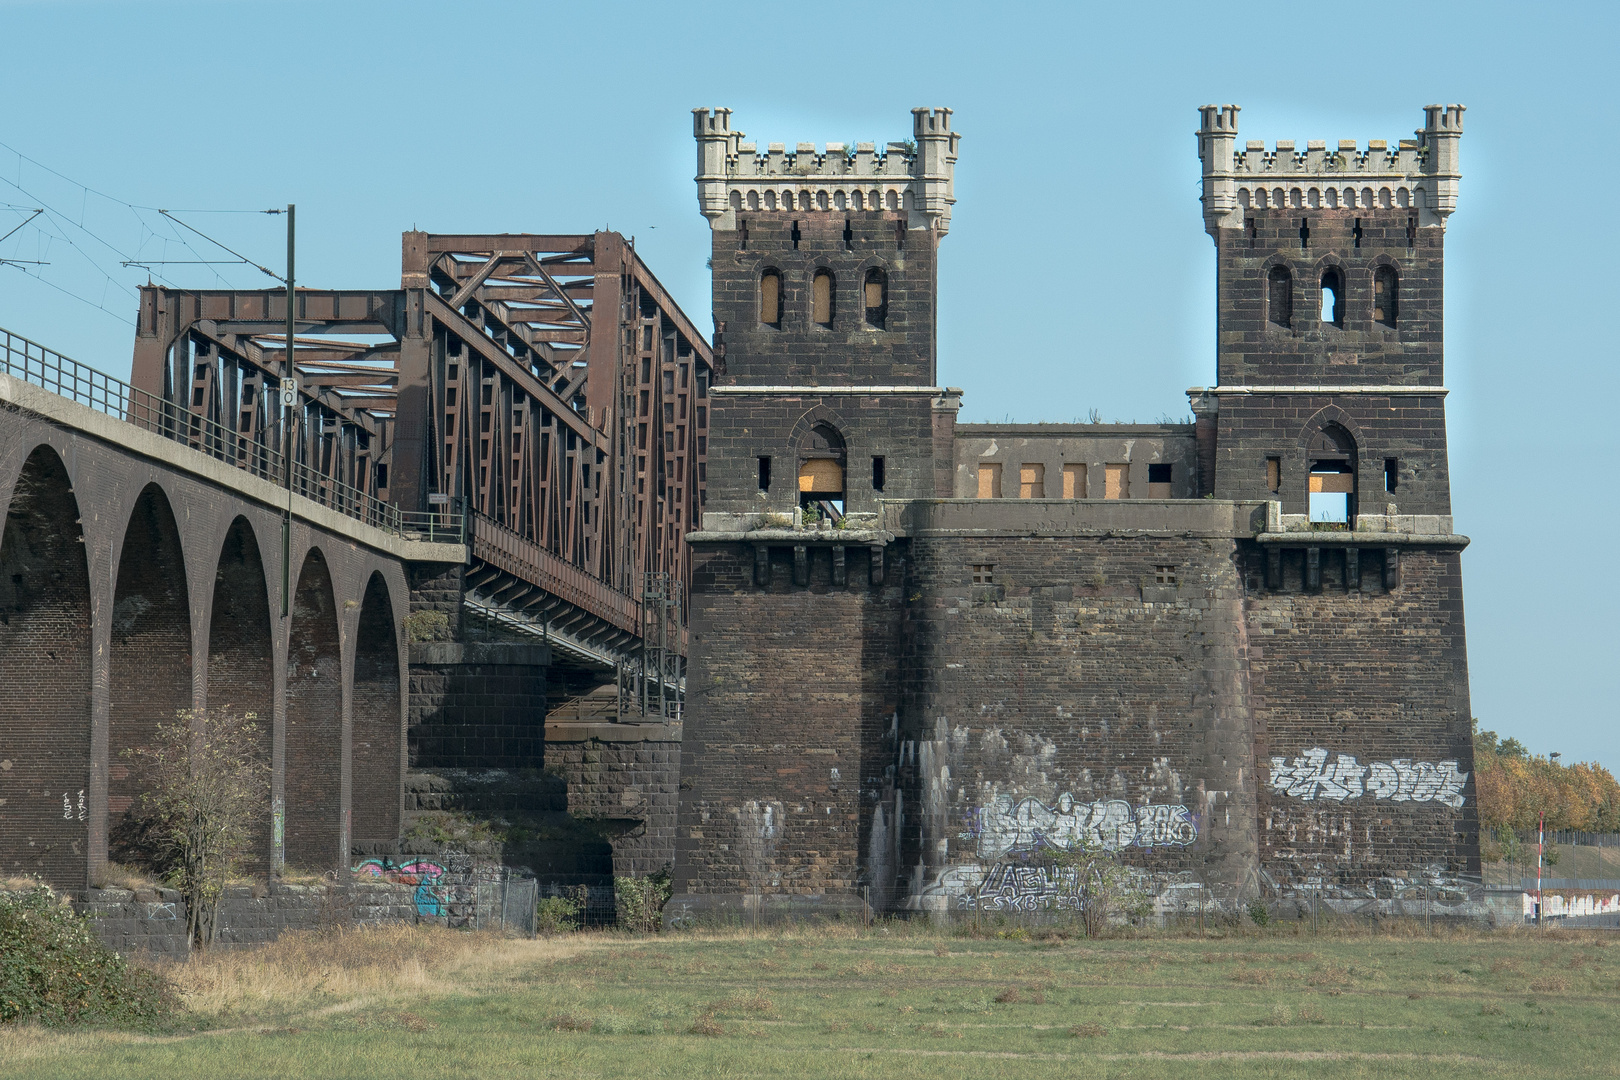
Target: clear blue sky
(1077,273)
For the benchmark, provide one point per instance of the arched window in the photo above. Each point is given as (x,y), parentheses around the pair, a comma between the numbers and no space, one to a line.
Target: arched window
(821,299)
(876,291)
(1280,296)
(1333,296)
(770,298)
(1331,495)
(821,472)
(1386,295)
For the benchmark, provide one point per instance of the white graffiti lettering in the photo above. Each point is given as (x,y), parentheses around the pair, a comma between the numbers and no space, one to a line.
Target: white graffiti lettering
(1111,825)
(1313,776)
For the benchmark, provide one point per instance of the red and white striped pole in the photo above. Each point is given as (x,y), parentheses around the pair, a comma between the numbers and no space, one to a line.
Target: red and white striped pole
(1541,841)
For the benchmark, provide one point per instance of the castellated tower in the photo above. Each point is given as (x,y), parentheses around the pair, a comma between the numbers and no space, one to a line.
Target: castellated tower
(823,405)
(1331,275)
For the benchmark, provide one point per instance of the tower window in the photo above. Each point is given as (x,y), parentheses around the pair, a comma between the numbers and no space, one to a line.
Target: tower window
(1280,296)
(770,299)
(1333,296)
(1392,473)
(878,477)
(821,299)
(984,574)
(764,474)
(1165,575)
(1386,295)
(876,290)
(1273,474)
(1159,481)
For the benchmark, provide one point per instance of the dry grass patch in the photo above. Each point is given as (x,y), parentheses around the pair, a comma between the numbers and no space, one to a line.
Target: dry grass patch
(1087,1031)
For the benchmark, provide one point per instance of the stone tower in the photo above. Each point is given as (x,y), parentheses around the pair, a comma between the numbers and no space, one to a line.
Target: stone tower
(824,403)
(1330,279)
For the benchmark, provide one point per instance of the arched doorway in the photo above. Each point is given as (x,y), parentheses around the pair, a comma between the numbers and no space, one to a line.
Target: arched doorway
(314,770)
(149,664)
(45,655)
(1331,493)
(822,461)
(378,724)
(241,674)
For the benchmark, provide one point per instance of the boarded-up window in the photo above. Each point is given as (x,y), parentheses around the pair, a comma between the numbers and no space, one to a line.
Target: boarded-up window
(770,298)
(1159,481)
(1273,474)
(1074,481)
(876,292)
(989,481)
(1031,481)
(821,298)
(822,476)
(1116,481)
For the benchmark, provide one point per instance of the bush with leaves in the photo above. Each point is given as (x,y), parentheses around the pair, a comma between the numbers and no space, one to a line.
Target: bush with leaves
(1104,888)
(640,902)
(1516,788)
(207,783)
(560,914)
(54,970)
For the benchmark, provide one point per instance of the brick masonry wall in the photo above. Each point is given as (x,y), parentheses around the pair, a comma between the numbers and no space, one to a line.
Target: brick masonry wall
(790,694)
(742,428)
(631,787)
(850,351)
(241,672)
(1380,676)
(58,733)
(1079,679)
(472,706)
(45,666)
(1254,351)
(378,734)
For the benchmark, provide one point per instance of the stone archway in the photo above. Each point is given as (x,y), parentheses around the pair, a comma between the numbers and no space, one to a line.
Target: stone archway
(45,664)
(314,755)
(378,723)
(241,669)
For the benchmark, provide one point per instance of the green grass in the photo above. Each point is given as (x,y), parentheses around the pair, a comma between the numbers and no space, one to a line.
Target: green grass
(902,1002)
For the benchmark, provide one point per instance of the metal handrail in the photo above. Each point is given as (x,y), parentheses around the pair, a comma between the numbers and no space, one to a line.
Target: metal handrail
(46,368)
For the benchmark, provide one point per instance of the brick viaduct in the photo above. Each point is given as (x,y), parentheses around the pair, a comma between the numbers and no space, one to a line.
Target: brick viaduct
(140,577)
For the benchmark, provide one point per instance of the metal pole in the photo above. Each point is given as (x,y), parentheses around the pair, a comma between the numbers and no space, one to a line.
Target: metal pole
(1541,840)
(287,425)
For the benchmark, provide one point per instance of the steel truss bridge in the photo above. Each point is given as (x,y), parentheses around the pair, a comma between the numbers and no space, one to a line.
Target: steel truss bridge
(542,395)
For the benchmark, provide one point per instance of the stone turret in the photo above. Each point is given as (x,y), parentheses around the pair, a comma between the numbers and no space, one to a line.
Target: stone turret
(916,177)
(1419,173)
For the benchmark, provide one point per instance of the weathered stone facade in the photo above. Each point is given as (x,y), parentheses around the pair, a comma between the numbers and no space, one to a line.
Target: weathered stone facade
(1232,651)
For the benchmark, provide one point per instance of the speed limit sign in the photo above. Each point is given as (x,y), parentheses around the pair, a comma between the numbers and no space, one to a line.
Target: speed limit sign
(289,393)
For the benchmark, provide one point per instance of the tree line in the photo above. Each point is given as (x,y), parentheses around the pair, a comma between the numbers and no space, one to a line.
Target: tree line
(1515,788)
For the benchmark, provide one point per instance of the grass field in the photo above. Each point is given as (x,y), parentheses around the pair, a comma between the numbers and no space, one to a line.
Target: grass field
(896,1002)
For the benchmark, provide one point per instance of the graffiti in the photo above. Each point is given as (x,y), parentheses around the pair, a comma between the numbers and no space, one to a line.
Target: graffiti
(1009,887)
(1312,776)
(67,806)
(1111,825)
(426,876)
(162,912)
(1554,905)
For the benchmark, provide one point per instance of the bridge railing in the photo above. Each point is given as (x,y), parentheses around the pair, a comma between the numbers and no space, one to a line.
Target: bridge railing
(34,363)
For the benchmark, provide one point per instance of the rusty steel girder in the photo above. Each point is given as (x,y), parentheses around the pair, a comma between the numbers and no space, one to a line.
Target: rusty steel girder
(549,384)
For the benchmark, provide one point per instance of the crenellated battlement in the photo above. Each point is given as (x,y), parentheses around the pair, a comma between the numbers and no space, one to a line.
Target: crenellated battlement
(913,177)
(1420,173)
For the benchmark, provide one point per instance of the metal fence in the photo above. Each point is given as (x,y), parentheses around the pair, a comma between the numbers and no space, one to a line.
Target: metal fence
(1550,884)
(50,370)
(508,904)
(1576,837)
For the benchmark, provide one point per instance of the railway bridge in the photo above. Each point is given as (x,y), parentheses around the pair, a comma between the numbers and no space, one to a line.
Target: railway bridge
(494,463)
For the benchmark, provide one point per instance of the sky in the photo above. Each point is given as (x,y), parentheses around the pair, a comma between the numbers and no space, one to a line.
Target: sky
(1077,274)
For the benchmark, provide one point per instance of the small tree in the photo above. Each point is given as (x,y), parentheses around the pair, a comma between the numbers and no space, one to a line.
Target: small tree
(207,785)
(1103,886)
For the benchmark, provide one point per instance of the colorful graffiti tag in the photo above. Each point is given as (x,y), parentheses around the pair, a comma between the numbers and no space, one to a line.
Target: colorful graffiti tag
(1029,824)
(1313,776)
(426,876)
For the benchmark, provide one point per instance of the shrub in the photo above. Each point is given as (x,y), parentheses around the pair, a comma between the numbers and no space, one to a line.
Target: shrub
(427,626)
(560,914)
(55,970)
(640,902)
(1258,912)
